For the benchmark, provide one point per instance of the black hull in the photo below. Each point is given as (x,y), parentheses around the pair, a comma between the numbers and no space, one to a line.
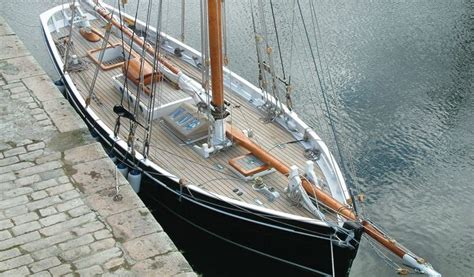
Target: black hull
(281,249)
(291,244)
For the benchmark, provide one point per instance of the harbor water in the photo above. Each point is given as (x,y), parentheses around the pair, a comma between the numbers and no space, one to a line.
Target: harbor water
(398,77)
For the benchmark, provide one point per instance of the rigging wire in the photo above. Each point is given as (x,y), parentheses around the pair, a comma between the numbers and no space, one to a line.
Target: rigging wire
(306,83)
(332,162)
(263,24)
(379,251)
(326,102)
(292,45)
(127,64)
(246,121)
(205,50)
(262,82)
(205,62)
(292,41)
(284,143)
(141,84)
(224,32)
(337,176)
(69,39)
(323,82)
(129,55)
(376,248)
(350,160)
(101,58)
(278,41)
(289,101)
(166,27)
(125,86)
(151,106)
(183,13)
(271,69)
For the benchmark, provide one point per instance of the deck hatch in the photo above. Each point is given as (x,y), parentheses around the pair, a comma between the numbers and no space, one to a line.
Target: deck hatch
(186,123)
(114,56)
(249,167)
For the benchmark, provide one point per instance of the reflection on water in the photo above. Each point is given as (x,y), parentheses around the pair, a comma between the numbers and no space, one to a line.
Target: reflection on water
(402,78)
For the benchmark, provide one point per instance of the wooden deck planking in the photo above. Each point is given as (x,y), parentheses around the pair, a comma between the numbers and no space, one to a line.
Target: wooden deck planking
(166,152)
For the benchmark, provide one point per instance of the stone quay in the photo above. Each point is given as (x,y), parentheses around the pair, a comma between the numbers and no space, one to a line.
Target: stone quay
(57,213)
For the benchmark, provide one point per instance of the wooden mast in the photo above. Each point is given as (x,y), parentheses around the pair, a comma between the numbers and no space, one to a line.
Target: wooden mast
(219,113)
(215,48)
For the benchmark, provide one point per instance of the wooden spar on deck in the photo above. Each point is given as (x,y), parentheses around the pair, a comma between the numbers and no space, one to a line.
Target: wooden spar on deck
(239,137)
(107,15)
(215,49)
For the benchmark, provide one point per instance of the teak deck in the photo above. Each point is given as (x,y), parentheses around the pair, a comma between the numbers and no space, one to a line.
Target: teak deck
(213,174)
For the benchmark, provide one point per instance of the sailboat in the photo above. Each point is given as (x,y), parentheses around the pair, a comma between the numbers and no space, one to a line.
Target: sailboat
(209,140)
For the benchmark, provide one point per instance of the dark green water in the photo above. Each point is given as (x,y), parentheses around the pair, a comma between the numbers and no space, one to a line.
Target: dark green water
(402,73)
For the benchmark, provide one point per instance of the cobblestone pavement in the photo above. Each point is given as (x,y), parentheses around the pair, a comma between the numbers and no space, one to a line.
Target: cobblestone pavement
(57,216)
